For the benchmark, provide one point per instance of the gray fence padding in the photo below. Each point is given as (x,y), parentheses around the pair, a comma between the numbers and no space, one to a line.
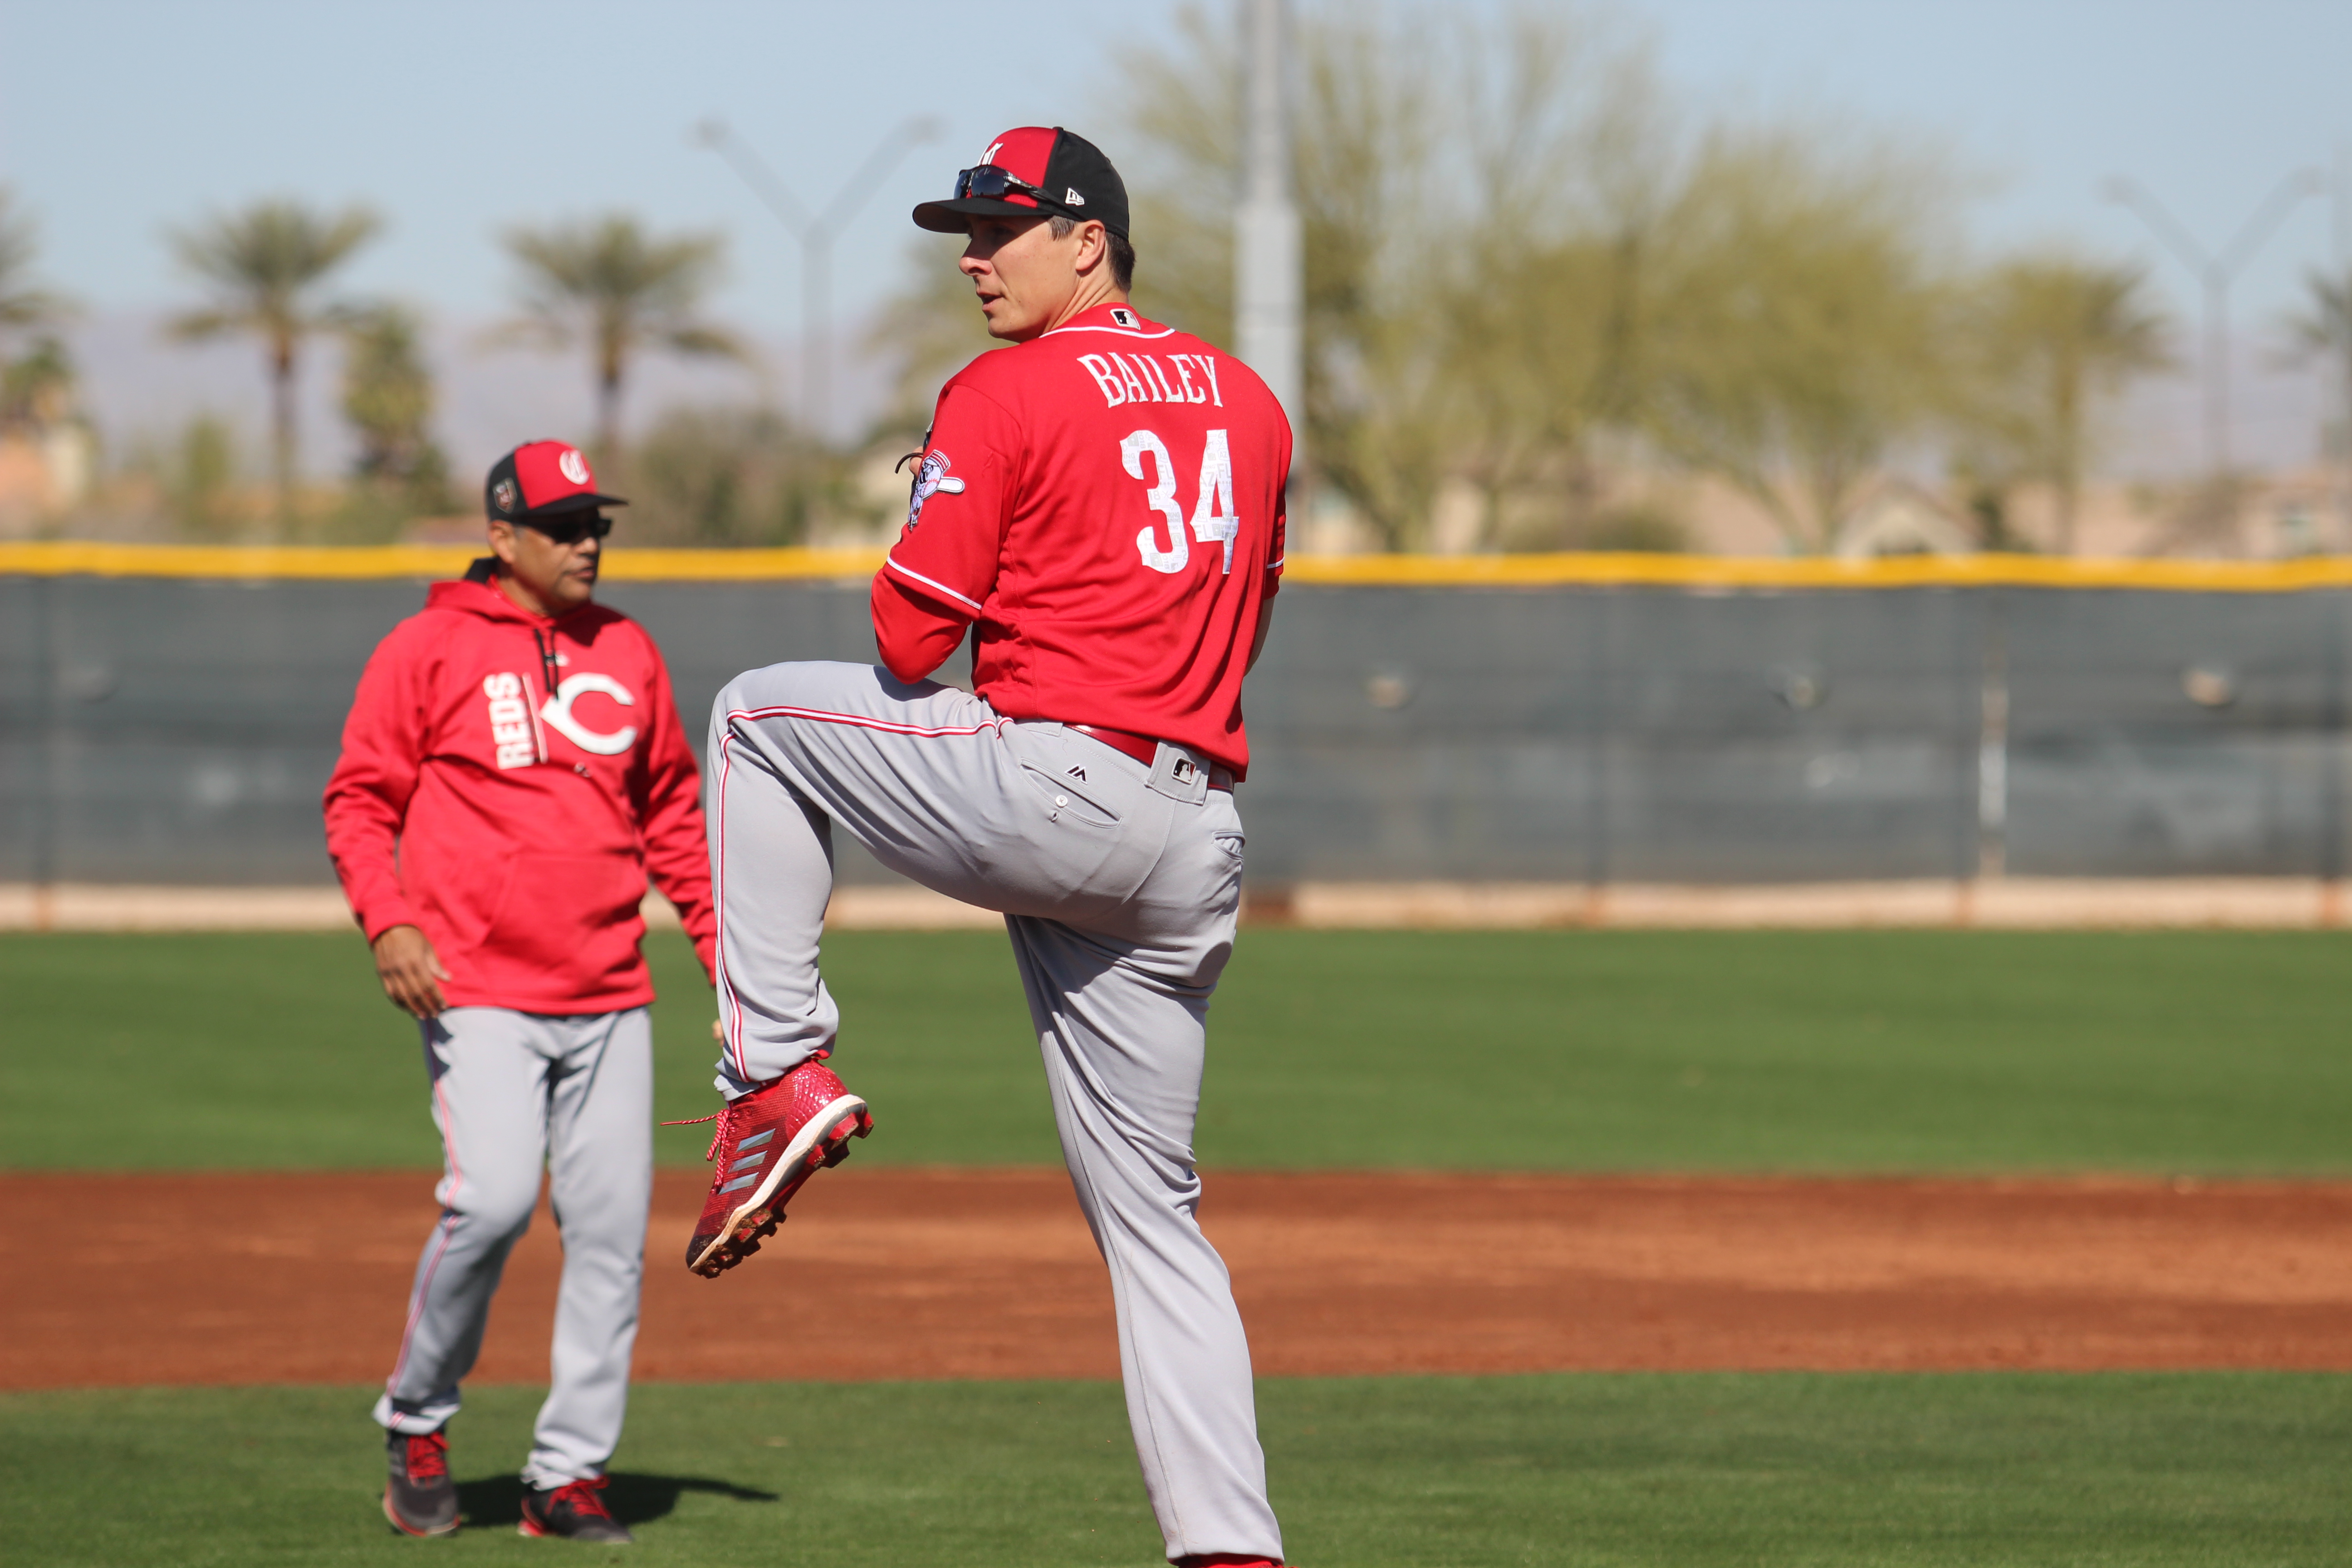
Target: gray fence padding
(159,730)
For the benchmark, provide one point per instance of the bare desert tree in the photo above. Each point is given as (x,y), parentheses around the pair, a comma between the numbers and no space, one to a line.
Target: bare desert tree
(1803,322)
(612,286)
(1512,249)
(1526,273)
(1367,135)
(266,266)
(1570,159)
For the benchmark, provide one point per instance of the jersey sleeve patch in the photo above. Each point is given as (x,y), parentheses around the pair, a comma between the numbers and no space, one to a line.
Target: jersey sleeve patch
(931,478)
(951,552)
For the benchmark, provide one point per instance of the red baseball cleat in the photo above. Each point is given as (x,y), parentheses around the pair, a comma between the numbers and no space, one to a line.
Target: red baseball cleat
(572,1511)
(768,1142)
(419,1497)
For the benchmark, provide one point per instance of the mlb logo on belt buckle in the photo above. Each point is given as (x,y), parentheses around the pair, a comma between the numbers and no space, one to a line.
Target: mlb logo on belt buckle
(1177,773)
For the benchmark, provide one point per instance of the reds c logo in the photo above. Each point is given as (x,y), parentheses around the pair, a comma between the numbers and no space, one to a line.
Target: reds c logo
(573,466)
(558,715)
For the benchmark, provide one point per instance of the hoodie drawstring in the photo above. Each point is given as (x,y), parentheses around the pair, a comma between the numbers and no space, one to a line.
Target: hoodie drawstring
(546,641)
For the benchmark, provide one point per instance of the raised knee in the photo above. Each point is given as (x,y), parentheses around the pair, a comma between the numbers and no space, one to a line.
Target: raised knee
(499,1215)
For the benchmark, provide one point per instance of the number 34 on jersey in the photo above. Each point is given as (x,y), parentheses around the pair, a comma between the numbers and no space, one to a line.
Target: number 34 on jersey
(1161,542)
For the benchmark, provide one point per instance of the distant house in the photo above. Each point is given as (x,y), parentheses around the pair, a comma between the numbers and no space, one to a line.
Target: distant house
(45,451)
(45,472)
(1896,517)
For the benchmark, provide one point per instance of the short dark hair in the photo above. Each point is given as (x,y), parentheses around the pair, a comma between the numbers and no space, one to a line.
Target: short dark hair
(1122,254)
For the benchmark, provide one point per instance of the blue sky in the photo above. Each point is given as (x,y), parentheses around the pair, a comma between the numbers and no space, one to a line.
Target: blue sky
(118,118)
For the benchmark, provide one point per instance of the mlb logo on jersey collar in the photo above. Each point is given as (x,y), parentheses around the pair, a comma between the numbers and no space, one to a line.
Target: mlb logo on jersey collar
(1122,316)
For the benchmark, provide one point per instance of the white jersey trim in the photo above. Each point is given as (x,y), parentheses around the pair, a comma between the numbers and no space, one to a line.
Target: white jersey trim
(1122,332)
(909,572)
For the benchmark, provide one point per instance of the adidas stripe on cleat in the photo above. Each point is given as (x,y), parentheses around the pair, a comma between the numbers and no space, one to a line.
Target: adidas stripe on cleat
(768,1144)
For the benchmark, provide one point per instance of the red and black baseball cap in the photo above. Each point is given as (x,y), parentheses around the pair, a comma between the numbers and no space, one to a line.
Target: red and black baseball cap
(542,478)
(1031,170)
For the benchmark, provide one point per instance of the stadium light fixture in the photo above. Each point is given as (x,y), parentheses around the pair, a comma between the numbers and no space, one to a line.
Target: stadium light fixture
(2216,271)
(816,231)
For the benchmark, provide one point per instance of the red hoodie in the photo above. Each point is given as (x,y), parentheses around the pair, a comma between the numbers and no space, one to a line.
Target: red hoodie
(529,772)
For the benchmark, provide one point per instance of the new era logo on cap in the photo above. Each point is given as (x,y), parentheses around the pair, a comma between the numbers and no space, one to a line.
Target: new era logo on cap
(543,479)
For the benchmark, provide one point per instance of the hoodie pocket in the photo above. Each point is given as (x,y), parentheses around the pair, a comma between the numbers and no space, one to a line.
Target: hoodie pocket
(556,909)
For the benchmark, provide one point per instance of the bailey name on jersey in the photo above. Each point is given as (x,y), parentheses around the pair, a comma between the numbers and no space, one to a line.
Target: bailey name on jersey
(1148,379)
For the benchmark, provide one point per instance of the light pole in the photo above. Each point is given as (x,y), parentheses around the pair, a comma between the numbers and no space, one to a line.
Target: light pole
(2216,272)
(816,231)
(1268,255)
(2342,202)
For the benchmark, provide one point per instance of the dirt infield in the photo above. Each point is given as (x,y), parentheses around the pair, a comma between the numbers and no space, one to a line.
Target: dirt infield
(926,1274)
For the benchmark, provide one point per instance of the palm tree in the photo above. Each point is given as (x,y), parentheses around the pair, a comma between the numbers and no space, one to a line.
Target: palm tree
(617,289)
(265,264)
(21,304)
(1797,323)
(2054,334)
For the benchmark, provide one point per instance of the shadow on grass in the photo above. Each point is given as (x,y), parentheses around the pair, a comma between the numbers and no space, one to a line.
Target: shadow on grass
(634,1499)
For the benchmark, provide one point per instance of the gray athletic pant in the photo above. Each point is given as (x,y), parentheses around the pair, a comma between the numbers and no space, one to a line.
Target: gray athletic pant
(512,1092)
(1121,898)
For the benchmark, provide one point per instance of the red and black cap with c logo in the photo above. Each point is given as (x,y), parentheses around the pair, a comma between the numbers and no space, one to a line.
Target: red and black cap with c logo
(1033,170)
(542,478)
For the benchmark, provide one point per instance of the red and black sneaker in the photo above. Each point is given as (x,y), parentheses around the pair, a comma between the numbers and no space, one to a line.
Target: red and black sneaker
(419,1497)
(572,1511)
(768,1142)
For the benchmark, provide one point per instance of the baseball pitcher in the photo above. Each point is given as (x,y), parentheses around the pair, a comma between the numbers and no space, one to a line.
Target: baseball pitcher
(513,768)
(1100,508)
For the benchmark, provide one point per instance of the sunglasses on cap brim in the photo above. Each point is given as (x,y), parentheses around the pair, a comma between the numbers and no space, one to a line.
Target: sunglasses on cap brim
(991,184)
(570,528)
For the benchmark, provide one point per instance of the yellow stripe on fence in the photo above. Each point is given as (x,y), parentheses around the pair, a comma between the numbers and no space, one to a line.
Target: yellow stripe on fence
(64,558)
(1817,571)
(246,564)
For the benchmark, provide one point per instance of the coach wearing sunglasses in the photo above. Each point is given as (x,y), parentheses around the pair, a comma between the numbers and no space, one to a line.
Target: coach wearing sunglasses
(512,770)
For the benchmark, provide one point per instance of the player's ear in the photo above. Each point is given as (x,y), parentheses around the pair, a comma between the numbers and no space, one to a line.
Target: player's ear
(1094,245)
(502,540)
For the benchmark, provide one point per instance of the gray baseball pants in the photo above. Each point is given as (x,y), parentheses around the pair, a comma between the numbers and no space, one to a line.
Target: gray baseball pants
(1119,885)
(513,1092)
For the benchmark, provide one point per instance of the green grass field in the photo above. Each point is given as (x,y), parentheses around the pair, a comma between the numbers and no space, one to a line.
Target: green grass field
(1885,1051)
(1687,1471)
(1912,1051)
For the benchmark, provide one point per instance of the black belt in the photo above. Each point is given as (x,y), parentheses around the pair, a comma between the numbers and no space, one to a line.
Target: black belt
(1146,750)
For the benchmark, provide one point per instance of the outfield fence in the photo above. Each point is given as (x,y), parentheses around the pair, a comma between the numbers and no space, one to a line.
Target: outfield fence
(170,716)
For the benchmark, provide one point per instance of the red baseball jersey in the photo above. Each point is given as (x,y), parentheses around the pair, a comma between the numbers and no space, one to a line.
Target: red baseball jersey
(1105,503)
